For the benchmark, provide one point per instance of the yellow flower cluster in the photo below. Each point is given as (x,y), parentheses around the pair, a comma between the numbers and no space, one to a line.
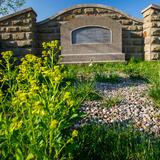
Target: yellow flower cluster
(53,124)
(29,68)
(7,55)
(52,45)
(75,133)
(38,109)
(20,98)
(15,125)
(1,96)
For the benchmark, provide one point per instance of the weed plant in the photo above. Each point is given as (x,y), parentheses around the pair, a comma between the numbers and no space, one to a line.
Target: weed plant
(115,142)
(36,113)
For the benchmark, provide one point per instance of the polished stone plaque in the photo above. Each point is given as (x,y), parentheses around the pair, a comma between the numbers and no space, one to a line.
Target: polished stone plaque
(91,34)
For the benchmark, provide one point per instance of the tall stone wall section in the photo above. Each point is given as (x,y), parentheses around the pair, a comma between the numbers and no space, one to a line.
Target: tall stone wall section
(152,32)
(17,32)
(132,33)
(21,33)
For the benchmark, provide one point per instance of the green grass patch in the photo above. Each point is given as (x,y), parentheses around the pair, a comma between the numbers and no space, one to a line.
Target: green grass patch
(116,142)
(107,77)
(110,102)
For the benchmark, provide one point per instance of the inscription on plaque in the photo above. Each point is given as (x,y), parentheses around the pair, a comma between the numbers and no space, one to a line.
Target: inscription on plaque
(91,34)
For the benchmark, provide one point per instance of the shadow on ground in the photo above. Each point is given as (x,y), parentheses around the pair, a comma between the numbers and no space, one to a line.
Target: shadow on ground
(118,141)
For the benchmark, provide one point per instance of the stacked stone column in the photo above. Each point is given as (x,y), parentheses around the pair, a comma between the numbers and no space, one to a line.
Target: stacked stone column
(18,32)
(151,32)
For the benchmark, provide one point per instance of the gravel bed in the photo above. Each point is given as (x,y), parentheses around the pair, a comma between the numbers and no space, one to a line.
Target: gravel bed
(135,106)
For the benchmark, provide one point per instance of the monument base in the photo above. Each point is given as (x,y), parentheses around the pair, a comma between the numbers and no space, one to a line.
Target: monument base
(95,57)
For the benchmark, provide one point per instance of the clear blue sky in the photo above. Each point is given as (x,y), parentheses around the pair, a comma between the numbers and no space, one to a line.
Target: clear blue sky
(47,8)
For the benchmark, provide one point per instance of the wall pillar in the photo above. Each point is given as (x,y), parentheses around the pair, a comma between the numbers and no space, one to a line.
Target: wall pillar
(18,32)
(151,32)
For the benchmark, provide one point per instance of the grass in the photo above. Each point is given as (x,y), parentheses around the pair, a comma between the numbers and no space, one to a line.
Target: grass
(110,102)
(107,77)
(39,107)
(111,72)
(116,142)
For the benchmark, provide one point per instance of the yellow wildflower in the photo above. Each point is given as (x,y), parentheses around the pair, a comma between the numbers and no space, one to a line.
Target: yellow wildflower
(7,55)
(70,103)
(1,96)
(67,95)
(15,125)
(53,124)
(75,133)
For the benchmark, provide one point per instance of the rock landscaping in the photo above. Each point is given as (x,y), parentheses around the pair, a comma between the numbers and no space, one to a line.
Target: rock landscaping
(134,106)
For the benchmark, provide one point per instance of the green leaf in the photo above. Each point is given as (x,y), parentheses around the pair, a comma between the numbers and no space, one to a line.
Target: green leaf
(74,116)
(30,156)
(19,155)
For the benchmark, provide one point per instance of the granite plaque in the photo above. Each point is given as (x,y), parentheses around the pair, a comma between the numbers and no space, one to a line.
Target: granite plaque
(91,34)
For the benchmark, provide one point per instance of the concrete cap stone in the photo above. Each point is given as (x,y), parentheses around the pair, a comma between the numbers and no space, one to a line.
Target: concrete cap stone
(154,6)
(30,9)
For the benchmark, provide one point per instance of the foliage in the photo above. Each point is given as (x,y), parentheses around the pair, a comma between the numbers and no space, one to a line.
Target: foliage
(117,142)
(39,103)
(110,72)
(7,6)
(110,102)
(36,113)
(109,77)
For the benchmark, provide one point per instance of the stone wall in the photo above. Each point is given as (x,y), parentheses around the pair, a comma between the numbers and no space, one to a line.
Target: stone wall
(17,32)
(21,33)
(152,32)
(132,32)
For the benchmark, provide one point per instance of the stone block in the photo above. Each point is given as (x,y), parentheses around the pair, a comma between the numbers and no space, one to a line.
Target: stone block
(12,29)
(154,56)
(25,29)
(18,36)
(139,28)
(30,14)
(77,11)
(29,35)
(147,25)
(24,43)
(136,34)
(138,42)
(27,21)
(113,16)
(155,32)
(155,18)
(5,23)
(147,40)
(155,24)
(2,29)
(139,49)
(48,37)
(147,56)
(133,28)
(101,10)
(88,10)
(155,48)
(126,42)
(155,40)
(5,36)
(45,29)
(147,48)
(68,17)
(137,23)
(127,22)
(56,30)
(126,34)
(148,12)
(17,22)
(126,49)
